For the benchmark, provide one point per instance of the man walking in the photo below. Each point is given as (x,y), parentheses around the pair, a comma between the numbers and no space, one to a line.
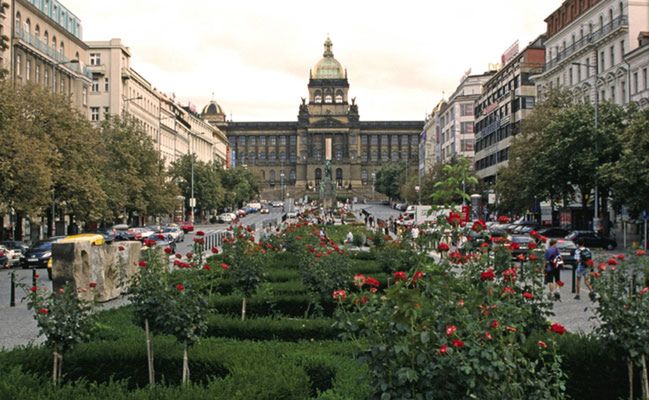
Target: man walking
(553,263)
(584,259)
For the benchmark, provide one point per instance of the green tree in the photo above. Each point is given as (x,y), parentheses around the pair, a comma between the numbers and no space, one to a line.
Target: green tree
(628,176)
(389,179)
(208,190)
(455,180)
(240,184)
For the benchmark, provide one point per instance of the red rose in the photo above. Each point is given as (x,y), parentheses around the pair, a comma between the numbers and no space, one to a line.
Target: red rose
(417,276)
(215,250)
(503,219)
(207,267)
(225,266)
(534,233)
(180,287)
(560,283)
(200,233)
(557,328)
(590,263)
(511,329)
(457,343)
(199,240)
(488,275)
(528,295)
(161,237)
(339,295)
(142,264)
(508,290)
(443,349)
(372,282)
(120,248)
(644,291)
(149,243)
(514,246)
(442,247)
(479,226)
(531,246)
(543,239)
(488,335)
(620,257)
(640,253)
(168,250)
(36,276)
(533,257)
(612,261)
(93,284)
(189,255)
(509,274)
(400,276)
(43,311)
(542,344)
(34,289)
(450,330)
(179,256)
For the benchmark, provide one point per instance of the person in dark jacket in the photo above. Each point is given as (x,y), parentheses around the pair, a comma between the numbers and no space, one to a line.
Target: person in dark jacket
(553,265)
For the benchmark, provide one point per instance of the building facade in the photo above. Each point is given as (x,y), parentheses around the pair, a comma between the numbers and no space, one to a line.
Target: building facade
(638,61)
(587,41)
(46,48)
(328,126)
(429,153)
(507,98)
(5,31)
(118,89)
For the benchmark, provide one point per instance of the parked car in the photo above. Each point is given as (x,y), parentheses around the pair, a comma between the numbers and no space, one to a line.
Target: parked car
(141,233)
(39,254)
(523,241)
(567,250)
(187,226)
(264,210)
(554,232)
(20,247)
(401,206)
(278,203)
(13,252)
(241,213)
(227,217)
(4,257)
(162,241)
(175,232)
(592,239)
(95,239)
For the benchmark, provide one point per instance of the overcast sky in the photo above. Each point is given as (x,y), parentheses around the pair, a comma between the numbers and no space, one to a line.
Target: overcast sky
(255,55)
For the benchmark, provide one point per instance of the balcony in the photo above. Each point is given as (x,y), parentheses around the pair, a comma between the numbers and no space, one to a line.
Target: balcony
(55,56)
(619,22)
(97,69)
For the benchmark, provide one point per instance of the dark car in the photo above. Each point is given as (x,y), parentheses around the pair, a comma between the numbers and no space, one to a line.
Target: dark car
(554,232)
(592,240)
(15,245)
(567,250)
(39,254)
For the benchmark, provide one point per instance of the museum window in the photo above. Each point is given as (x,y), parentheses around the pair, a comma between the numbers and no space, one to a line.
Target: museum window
(282,156)
(95,59)
(339,176)
(328,98)
(282,140)
(262,140)
(339,96)
(364,176)
(242,140)
(293,156)
(272,141)
(271,156)
(262,156)
(94,114)
(395,156)
(318,176)
(253,141)
(318,96)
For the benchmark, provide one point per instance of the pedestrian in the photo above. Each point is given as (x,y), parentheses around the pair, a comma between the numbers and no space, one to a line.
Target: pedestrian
(584,259)
(350,237)
(553,263)
(415,235)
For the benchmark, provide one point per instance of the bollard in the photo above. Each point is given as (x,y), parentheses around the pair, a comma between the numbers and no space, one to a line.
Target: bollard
(34,277)
(12,300)
(574,272)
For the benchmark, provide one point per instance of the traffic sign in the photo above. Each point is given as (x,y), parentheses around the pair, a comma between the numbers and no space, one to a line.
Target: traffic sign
(192,202)
(645,215)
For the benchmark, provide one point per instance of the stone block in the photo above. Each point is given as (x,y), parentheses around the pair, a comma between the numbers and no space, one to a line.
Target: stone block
(78,264)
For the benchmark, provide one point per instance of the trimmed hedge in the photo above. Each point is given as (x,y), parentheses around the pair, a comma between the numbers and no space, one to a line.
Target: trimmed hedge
(264,305)
(271,328)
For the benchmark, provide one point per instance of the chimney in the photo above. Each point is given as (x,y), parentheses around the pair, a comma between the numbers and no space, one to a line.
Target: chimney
(643,38)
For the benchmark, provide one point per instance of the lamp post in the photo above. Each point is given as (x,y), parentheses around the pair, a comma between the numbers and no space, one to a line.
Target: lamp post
(373,185)
(127,100)
(54,65)
(596,220)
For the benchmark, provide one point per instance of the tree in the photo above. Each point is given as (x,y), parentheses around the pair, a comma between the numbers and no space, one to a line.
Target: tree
(208,190)
(628,176)
(389,179)
(456,178)
(240,184)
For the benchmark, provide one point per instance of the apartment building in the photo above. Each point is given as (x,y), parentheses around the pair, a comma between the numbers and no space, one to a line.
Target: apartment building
(507,98)
(587,41)
(46,48)
(638,61)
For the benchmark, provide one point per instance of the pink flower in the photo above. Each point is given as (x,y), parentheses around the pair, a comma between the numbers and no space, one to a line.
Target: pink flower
(542,344)
(644,291)
(450,330)
(495,324)
(508,290)
(339,295)
(359,280)
(640,253)
(620,257)
(488,335)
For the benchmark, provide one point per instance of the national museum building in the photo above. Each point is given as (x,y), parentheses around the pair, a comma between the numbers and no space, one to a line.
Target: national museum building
(290,156)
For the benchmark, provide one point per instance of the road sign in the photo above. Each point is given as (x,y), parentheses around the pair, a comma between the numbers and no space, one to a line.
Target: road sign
(645,215)
(417,189)
(192,202)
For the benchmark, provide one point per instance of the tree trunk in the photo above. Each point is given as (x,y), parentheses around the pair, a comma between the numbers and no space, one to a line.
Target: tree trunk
(149,352)
(55,367)
(59,375)
(243,309)
(185,366)
(645,379)
(18,227)
(630,371)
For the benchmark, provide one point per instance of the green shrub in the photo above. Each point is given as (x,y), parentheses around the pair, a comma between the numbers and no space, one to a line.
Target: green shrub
(362,255)
(266,328)
(265,305)
(361,266)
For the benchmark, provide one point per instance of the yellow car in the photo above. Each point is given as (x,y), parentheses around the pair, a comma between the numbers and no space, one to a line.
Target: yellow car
(94,239)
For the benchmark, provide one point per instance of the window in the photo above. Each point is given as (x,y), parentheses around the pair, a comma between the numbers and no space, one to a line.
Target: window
(466,145)
(95,86)
(106,85)
(37,31)
(262,140)
(634,89)
(272,141)
(38,73)
(328,98)
(578,73)
(587,68)
(570,76)
(318,96)
(602,66)
(18,20)
(28,69)
(54,42)
(602,96)
(623,92)
(19,60)
(612,94)
(47,78)
(252,141)
(95,59)
(292,140)
(339,96)
(612,51)
(61,48)
(28,26)
(466,127)
(621,49)
(94,113)
(46,37)
(644,78)
(282,140)
(62,81)
(84,94)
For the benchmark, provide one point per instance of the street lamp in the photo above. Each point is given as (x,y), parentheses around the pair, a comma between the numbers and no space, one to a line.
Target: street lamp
(373,185)
(596,221)
(281,181)
(126,101)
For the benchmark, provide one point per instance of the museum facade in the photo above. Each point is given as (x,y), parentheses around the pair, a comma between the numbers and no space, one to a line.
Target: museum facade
(290,156)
